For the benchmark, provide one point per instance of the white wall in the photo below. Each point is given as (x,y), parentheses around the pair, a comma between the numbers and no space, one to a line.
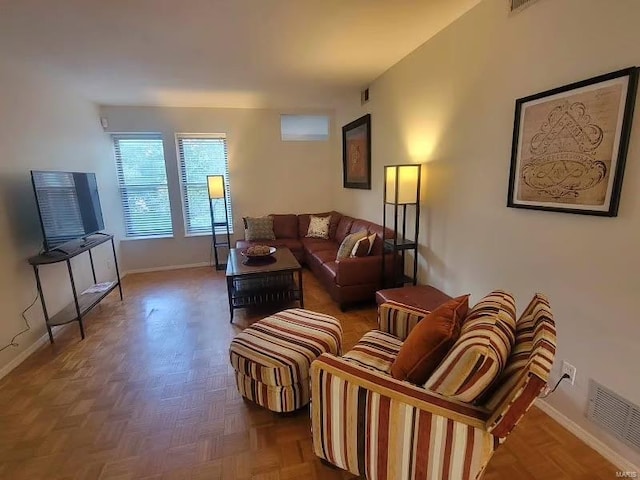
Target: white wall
(266,174)
(451,104)
(44,127)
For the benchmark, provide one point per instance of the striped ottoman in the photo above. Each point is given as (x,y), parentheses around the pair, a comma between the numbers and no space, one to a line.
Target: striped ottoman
(271,358)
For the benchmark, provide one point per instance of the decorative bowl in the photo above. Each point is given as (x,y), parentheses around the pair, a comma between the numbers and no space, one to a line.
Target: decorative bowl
(258,251)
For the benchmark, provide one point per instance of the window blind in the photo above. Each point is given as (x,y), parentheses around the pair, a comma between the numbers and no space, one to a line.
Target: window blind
(142,178)
(199,156)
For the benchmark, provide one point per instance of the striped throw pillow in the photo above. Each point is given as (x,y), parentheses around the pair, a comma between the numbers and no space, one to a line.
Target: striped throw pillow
(533,351)
(480,354)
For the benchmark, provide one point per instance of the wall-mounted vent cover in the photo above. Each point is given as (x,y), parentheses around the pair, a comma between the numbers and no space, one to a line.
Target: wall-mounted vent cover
(364,96)
(517,5)
(615,414)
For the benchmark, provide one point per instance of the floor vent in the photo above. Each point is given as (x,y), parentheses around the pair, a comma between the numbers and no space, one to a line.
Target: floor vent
(517,5)
(615,414)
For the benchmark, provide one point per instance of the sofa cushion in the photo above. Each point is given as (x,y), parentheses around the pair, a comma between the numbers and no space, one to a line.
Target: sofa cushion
(285,226)
(430,341)
(291,243)
(258,228)
(375,350)
(312,245)
(358,225)
(344,228)
(303,223)
(324,256)
(479,355)
(346,247)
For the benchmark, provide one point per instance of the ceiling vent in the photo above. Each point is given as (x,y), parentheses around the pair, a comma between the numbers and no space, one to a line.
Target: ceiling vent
(517,5)
(616,415)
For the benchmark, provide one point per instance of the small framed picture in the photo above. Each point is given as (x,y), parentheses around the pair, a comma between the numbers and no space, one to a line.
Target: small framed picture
(570,145)
(356,153)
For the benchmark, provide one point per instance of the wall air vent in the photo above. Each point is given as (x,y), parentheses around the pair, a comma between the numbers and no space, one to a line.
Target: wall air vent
(517,5)
(364,96)
(615,414)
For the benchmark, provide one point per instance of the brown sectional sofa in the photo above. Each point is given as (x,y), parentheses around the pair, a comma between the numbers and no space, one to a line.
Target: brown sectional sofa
(348,281)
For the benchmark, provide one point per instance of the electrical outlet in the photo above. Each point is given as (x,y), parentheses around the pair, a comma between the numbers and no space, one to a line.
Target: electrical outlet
(570,370)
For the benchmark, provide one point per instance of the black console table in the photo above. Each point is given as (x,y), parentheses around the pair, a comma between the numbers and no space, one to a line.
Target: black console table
(84,302)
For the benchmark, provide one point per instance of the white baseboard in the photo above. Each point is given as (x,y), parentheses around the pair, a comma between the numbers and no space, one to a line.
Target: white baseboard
(4,371)
(598,445)
(168,267)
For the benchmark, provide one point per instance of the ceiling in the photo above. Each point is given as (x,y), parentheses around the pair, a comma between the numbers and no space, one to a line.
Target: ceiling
(224,53)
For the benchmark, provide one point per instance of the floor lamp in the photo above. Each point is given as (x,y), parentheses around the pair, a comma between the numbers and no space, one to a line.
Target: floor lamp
(401,190)
(215,185)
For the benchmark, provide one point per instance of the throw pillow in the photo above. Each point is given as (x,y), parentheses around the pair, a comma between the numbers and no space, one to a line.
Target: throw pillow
(479,355)
(430,341)
(361,248)
(260,228)
(372,238)
(318,227)
(346,247)
(535,334)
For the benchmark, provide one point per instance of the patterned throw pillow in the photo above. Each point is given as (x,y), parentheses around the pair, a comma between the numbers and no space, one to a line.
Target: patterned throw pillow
(346,247)
(480,354)
(318,227)
(260,228)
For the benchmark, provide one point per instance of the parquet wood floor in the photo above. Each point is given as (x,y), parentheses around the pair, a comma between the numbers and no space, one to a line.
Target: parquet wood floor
(150,395)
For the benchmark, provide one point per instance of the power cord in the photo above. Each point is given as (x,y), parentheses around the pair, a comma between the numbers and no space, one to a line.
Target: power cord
(13,343)
(549,392)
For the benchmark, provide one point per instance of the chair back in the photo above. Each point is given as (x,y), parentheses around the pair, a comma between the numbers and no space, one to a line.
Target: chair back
(527,370)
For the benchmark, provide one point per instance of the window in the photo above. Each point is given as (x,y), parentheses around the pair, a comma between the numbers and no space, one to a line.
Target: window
(142,179)
(296,128)
(198,156)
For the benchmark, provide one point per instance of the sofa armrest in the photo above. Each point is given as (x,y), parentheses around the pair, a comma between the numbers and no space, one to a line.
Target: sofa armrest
(359,270)
(365,421)
(398,319)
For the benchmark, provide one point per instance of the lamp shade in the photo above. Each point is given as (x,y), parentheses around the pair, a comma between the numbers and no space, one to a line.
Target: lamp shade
(216,186)
(406,180)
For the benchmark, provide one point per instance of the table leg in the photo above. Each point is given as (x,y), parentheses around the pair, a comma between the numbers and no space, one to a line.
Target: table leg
(230,296)
(300,288)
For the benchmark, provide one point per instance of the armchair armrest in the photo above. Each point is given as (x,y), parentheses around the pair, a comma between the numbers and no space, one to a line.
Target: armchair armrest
(398,319)
(367,422)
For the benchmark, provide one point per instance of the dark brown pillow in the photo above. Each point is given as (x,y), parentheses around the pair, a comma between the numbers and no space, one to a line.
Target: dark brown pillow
(362,248)
(430,341)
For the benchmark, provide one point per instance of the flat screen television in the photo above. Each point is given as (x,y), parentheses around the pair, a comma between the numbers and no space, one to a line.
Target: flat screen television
(68,204)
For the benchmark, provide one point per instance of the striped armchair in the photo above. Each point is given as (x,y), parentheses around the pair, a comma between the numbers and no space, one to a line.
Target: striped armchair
(373,425)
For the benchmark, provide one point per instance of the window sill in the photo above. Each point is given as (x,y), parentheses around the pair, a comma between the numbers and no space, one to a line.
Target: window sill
(149,237)
(187,235)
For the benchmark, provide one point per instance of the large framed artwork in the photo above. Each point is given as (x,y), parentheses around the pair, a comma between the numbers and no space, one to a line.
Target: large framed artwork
(356,153)
(570,145)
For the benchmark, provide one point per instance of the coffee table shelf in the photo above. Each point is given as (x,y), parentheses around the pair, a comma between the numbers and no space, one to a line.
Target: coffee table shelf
(255,285)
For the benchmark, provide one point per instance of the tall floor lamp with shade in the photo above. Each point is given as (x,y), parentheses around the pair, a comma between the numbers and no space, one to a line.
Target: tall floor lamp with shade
(401,190)
(215,185)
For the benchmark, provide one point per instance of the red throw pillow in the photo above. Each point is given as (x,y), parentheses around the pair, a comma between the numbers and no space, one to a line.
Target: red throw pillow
(430,341)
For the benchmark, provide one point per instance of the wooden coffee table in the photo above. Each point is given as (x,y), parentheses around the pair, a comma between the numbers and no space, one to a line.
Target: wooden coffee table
(263,284)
